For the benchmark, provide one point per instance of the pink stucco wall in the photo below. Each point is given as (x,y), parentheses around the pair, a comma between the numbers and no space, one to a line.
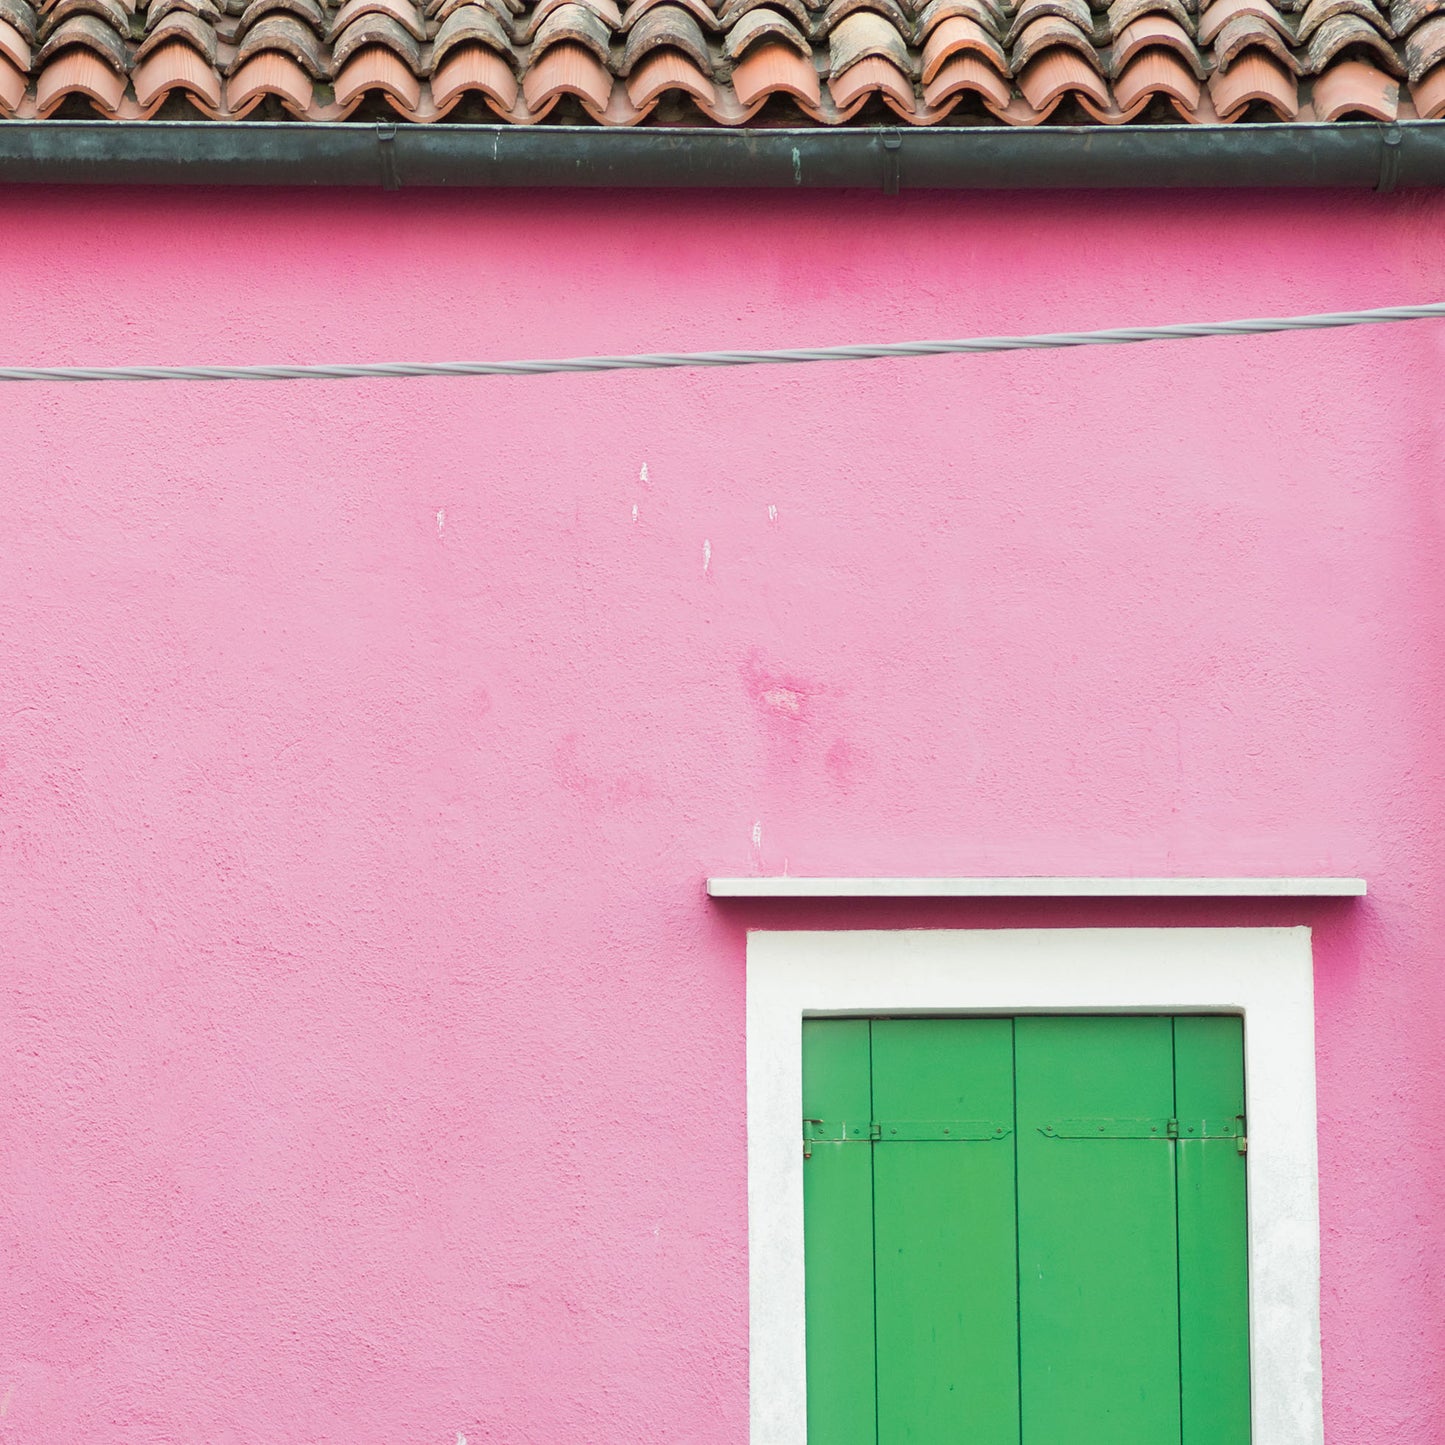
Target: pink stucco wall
(372,1063)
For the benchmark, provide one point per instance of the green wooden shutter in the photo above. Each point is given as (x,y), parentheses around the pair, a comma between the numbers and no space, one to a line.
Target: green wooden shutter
(943,1229)
(1025,1232)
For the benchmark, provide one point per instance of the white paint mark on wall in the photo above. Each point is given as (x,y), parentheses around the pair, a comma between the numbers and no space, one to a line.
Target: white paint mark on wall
(461,1439)
(757,835)
(634,511)
(706,555)
(642,475)
(772,513)
(784,699)
(441,519)
(5,1403)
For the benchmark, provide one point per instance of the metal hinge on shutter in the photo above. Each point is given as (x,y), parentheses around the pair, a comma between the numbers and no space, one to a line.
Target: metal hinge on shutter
(1162,1129)
(903,1131)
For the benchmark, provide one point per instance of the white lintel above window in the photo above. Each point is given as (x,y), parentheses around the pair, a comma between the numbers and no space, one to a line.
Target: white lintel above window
(787,887)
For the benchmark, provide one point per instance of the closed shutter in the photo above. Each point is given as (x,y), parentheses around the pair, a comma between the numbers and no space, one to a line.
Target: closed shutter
(1025,1231)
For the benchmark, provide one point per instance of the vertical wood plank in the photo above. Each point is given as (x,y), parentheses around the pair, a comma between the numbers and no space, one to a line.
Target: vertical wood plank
(946,1287)
(1099,1319)
(838,1237)
(1213,1243)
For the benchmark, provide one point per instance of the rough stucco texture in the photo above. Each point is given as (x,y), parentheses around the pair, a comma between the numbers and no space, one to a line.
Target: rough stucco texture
(372,1060)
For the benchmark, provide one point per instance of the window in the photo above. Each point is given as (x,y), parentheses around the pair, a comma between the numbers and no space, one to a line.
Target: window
(1264,976)
(1025,1229)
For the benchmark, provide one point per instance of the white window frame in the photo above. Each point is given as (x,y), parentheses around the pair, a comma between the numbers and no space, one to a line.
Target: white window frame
(1265,974)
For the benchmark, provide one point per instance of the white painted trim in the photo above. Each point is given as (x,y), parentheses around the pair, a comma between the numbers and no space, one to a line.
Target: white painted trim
(1264,973)
(775,887)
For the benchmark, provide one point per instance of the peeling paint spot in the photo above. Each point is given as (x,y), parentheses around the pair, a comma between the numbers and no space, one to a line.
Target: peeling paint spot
(772,513)
(5,1403)
(441,519)
(757,835)
(642,475)
(461,1439)
(706,555)
(634,511)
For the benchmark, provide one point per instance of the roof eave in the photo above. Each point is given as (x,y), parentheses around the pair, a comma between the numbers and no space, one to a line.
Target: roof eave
(262,153)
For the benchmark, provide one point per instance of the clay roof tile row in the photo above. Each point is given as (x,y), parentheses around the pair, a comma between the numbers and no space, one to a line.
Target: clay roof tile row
(727,63)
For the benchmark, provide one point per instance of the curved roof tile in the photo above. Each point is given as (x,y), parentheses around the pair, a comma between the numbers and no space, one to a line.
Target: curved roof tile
(1010,63)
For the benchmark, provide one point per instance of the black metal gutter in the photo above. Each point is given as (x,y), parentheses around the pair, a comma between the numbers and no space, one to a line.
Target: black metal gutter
(263,153)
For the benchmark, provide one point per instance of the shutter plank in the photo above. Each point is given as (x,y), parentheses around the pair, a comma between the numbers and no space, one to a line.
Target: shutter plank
(1098,1282)
(838,1237)
(946,1287)
(1213,1247)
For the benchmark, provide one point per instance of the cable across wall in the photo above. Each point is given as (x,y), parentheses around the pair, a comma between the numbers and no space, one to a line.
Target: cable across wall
(682,360)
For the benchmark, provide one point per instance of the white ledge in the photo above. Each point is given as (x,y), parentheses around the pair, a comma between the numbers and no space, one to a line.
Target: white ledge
(1036,887)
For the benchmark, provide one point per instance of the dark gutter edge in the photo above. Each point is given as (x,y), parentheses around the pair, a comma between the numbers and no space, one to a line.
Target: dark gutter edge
(264,153)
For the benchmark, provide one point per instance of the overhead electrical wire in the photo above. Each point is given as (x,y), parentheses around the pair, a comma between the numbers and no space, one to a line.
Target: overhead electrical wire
(666,361)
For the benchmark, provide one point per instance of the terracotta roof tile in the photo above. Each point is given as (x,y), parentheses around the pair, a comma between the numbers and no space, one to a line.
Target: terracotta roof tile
(1157,72)
(1355,87)
(1076,12)
(984,11)
(21,16)
(286,34)
(374,29)
(1405,15)
(1058,73)
(402,11)
(309,12)
(962,74)
(955,36)
(14,47)
(1155,32)
(869,75)
(604,10)
(1258,78)
(1244,35)
(1007,61)
(567,69)
(1428,93)
(77,71)
(1123,13)
(109,12)
(764,24)
(665,70)
(700,12)
(1425,47)
(1224,12)
(376,68)
(1049,34)
(1341,33)
(474,68)
(670,27)
(90,33)
(574,25)
(269,73)
(473,24)
(13,85)
(187,29)
(839,10)
(177,66)
(1318,11)
(776,69)
(860,35)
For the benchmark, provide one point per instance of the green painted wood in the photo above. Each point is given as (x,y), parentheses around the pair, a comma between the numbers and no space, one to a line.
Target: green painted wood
(1213,1245)
(1098,1303)
(944,1236)
(838,1237)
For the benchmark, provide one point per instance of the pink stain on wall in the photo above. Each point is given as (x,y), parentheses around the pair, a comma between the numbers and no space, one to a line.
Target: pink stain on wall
(373,1063)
